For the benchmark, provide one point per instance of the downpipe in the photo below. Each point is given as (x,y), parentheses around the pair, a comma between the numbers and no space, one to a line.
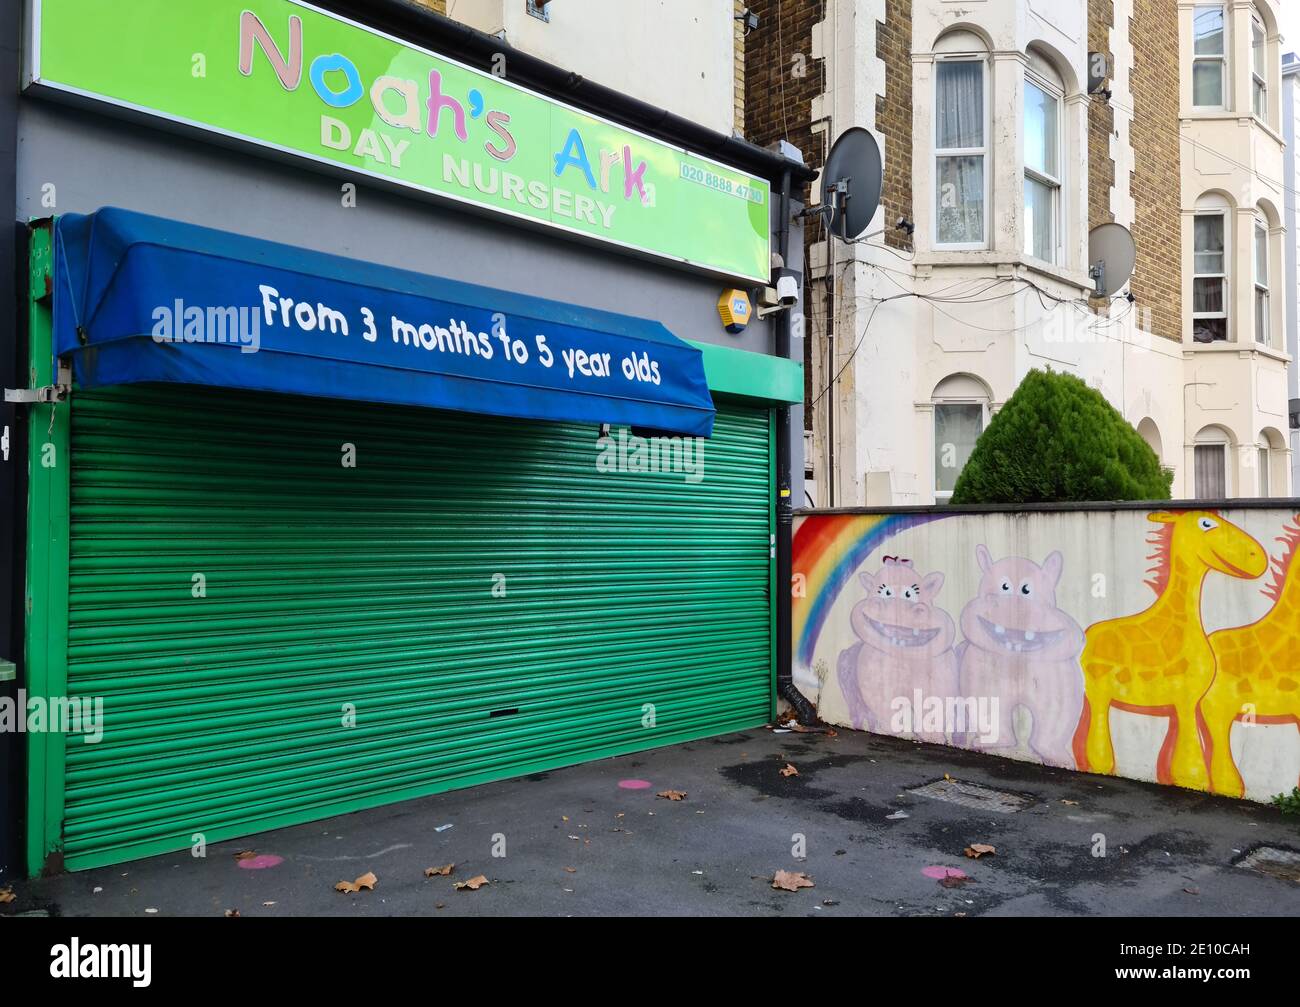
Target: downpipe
(804,711)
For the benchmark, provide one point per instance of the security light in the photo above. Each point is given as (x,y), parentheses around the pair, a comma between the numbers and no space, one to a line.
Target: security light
(748,18)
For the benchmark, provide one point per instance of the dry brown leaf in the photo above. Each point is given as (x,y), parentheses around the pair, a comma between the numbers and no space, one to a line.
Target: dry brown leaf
(1073,804)
(789,770)
(791,881)
(473,884)
(439,872)
(245,855)
(977,850)
(366,880)
(955,881)
(672,795)
(6,896)
(231,913)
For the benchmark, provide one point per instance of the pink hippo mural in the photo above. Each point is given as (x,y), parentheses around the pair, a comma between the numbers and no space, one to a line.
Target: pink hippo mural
(1023,650)
(905,644)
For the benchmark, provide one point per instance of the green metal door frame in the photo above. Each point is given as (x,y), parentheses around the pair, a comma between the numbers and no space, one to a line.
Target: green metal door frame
(46,590)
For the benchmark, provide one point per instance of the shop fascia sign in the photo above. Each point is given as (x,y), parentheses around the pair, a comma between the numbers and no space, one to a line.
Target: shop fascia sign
(291,78)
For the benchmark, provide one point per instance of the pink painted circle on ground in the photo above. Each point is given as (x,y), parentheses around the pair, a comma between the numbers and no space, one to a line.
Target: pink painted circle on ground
(260,862)
(939,872)
(635,784)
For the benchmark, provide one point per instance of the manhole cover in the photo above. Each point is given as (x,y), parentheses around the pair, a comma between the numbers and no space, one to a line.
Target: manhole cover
(972,795)
(1275,862)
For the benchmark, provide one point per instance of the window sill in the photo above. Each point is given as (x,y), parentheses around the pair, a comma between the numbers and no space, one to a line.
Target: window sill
(1224,115)
(1241,349)
(1000,260)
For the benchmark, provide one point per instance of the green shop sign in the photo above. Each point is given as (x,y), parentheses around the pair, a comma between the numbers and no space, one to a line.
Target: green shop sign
(292,78)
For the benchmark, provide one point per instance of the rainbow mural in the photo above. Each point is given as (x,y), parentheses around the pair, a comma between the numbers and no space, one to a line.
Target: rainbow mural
(826,554)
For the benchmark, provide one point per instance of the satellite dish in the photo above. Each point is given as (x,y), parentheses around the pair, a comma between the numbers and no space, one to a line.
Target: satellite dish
(1111,258)
(851,183)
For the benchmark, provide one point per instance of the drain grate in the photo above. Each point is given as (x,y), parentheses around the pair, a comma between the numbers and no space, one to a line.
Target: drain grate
(1273,861)
(972,795)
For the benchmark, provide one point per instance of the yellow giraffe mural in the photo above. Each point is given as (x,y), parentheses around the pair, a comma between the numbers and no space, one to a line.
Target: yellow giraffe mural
(1159,662)
(1258,669)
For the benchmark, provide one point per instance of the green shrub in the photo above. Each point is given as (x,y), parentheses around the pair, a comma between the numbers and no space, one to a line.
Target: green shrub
(1058,441)
(1289,803)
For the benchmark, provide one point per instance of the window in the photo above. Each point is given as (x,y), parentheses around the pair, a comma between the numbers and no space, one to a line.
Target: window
(960,414)
(960,153)
(1211,471)
(1259,67)
(1261,281)
(1210,280)
(1209,61)
(1042,170)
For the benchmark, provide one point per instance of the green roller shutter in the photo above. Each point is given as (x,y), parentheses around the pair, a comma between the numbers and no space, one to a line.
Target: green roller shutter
(485,600)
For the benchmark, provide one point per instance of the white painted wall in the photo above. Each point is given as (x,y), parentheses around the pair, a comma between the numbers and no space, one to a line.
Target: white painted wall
(891,350)
(1239,385)
(677,54)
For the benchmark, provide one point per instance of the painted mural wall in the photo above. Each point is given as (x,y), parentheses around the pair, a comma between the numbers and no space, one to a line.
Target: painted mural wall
(1158,645)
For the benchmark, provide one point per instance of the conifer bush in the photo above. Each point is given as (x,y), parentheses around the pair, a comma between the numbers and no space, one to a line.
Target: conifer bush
(1058,441)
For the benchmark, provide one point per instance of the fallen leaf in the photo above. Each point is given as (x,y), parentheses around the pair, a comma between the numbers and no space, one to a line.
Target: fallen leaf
(232,913)
(789,770)
(1192,891)
(1073,804)
(440,872)
(955,880)
(571,870)
(6,896)
(672,795)
(241,855)
(791,881)
(977,850)
(949,778)
(366,880)
(473,884)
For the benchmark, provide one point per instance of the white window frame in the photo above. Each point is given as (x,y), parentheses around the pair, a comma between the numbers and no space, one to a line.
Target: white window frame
(943,496)
(1258,82)
(1265,476)
(1057,185)
(984,152)
(1222,277)
(1220,58)
(1263,337)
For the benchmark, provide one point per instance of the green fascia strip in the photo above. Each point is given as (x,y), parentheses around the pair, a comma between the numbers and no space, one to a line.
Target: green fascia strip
(46,602)
(758,376)
(776,595)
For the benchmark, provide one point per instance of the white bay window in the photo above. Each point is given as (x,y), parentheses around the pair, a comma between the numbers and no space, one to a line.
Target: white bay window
(1210,279)
(1210,56)
(960,152)
(1042,169)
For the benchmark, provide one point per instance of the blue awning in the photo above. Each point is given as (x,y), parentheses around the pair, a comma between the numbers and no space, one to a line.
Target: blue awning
(140,298)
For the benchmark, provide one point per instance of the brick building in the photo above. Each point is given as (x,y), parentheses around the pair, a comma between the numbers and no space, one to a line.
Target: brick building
(1009,129)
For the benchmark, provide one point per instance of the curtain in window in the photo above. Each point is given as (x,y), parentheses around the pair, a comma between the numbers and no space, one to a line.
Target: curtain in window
(957,426)
(959,113)
(1211,472)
